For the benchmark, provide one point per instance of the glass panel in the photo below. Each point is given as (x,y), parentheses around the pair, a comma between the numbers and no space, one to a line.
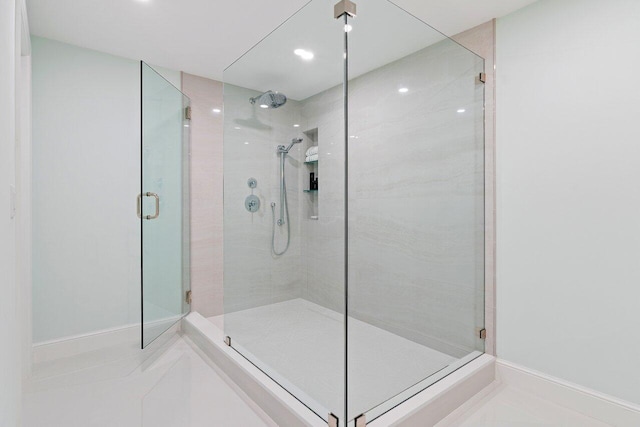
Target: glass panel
(284,271)
(164,204)
(416,207)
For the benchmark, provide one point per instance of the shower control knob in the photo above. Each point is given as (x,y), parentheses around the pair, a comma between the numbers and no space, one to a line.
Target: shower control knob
(252,182)
(252,203)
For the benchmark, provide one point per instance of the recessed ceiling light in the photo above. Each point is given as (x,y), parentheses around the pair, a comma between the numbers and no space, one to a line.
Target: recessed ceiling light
(296,125)
(186,126)
(403,90)
(304,54)
(347,28)
(246,143)
(237,128)
(461,110)
(264,106)
(216,110)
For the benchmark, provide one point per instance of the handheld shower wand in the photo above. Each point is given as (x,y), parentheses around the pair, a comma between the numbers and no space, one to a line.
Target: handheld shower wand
(284,205)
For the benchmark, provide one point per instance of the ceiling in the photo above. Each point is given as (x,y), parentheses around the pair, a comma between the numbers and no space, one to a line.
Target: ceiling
(203,37)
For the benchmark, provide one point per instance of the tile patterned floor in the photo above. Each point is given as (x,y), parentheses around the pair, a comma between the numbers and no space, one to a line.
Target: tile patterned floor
(179,389)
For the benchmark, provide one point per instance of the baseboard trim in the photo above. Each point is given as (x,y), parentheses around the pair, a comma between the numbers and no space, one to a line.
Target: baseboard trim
(74,345)
(77,344)
(591,403)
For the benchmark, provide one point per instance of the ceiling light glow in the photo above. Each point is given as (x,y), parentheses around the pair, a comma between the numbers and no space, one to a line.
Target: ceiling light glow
(304,54)
(296,125)
(216,110)
(403,90)
(461,110)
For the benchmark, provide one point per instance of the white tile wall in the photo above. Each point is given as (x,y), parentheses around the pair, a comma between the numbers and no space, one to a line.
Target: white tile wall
(416,207)
(253,276)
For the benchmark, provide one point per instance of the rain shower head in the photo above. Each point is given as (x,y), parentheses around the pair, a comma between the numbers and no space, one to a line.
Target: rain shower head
(270,99)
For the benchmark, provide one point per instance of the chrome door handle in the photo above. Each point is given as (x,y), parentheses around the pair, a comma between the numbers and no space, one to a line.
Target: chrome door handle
(139,205)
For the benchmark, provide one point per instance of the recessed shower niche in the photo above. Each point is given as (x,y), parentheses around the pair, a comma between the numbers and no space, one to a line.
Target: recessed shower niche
(311,161)
(383,294)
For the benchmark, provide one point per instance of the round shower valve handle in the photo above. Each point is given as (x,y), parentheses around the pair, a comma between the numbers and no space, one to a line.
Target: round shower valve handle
(252,203)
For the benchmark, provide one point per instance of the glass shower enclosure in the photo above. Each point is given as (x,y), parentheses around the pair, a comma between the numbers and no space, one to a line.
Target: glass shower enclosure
(163,203)
(354,207)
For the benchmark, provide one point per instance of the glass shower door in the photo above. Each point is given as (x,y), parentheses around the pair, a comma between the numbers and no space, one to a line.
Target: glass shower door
(163,204)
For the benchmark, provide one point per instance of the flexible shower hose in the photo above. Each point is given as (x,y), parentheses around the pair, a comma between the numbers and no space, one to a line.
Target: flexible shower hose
(273,225)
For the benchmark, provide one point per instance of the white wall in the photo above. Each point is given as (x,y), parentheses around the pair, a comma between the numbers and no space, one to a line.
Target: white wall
(568,207)
(14,140)
(86,175)
(9,351)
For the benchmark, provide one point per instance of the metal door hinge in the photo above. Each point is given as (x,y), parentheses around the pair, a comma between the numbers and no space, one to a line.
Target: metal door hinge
(361,421)
(344,6)
(333,421)
(227,340)
(188,298)
(187,113)
(482,78)
(482,334)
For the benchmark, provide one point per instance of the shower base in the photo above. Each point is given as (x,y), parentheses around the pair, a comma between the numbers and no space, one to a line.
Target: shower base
(299,345)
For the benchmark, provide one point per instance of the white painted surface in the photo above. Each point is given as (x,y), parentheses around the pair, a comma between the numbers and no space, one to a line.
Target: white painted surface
(568,197)
(522,397)
(86,176)
(176,389)
(510,406)
(589,402)
(9,326)
(187,40)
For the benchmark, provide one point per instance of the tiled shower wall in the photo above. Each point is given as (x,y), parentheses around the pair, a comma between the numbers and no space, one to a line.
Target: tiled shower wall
(312,268)
(415,208)
(254,276)
(206,193)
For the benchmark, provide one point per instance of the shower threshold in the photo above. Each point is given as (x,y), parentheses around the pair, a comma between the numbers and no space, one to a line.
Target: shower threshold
(312,373)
